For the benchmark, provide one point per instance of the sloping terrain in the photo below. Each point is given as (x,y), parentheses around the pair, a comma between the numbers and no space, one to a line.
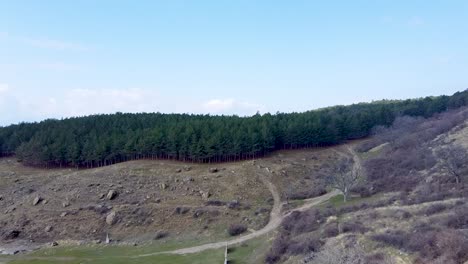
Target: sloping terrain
(410,207)
(140,201)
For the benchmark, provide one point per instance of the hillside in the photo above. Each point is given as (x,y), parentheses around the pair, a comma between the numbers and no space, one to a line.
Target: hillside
(407,204)
(155,200)
(410,205)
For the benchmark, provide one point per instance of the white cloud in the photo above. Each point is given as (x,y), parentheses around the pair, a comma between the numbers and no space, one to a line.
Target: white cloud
(231,106)
(89,101)
(21,106)
(57,66)
(52,44)
(44,42)
(218,105)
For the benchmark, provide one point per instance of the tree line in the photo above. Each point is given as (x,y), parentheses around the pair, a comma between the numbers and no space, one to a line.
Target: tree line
(100,140)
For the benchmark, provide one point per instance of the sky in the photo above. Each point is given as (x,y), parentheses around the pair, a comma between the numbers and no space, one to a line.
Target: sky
(73,58)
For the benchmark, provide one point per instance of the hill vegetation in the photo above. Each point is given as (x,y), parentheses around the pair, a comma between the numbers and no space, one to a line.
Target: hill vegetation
(100,140)
(409,208)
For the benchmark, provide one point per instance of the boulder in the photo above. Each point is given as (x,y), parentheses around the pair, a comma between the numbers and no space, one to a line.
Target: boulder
(163,186)
(37,200)
(48,229)
(66,204)
(54,244)
(179,170)
(188,179)
(111,218)
(63,214)
(213,170)
(205,195)
(111,195)
(187,168)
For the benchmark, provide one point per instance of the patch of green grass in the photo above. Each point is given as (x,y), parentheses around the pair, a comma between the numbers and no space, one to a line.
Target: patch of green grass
(252,251)
(206,257)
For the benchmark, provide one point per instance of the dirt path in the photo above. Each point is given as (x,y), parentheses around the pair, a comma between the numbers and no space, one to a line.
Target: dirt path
(276,217)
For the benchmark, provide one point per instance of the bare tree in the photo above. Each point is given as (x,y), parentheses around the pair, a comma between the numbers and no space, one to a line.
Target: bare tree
(454,160)
(345,176)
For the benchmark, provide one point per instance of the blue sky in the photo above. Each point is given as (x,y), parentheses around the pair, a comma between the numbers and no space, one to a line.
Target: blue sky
(69,58)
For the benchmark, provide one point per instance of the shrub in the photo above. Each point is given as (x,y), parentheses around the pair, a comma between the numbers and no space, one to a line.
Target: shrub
(394,238)
(278,248)
(450,244)
(458,219)
(182,210)
(160,235)
(215,203)
(236,229)
(309,244)
(434,209)
(331,229)
(302,222)
(353,226)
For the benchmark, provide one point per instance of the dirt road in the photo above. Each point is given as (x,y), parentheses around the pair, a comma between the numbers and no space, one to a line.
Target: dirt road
(276,217)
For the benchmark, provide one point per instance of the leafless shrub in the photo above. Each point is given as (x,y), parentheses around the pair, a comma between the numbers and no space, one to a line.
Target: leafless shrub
(434,209)
(454,160)
(449,244)
(234,204)
(458,219)
(278,248)
(331,229)
(353,227)
(181,210)
(215,203)
(394,238)
(302,222)
(160,235)
(236,229)
(306,245)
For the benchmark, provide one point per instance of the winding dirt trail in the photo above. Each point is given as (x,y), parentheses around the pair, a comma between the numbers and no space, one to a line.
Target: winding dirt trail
(276,217)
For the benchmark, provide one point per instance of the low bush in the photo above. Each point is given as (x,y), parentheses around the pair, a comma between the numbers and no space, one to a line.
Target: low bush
(278,248)
(331,229)
(434,209)
(236,229)
(215,203)
(182,210)
(458,219)
(352,227)
(395,238)
(306,245)
(160,235)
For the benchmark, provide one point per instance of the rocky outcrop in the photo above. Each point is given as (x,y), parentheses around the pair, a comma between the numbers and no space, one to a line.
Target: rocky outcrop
(37,200)
(111,218)
(112,194)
